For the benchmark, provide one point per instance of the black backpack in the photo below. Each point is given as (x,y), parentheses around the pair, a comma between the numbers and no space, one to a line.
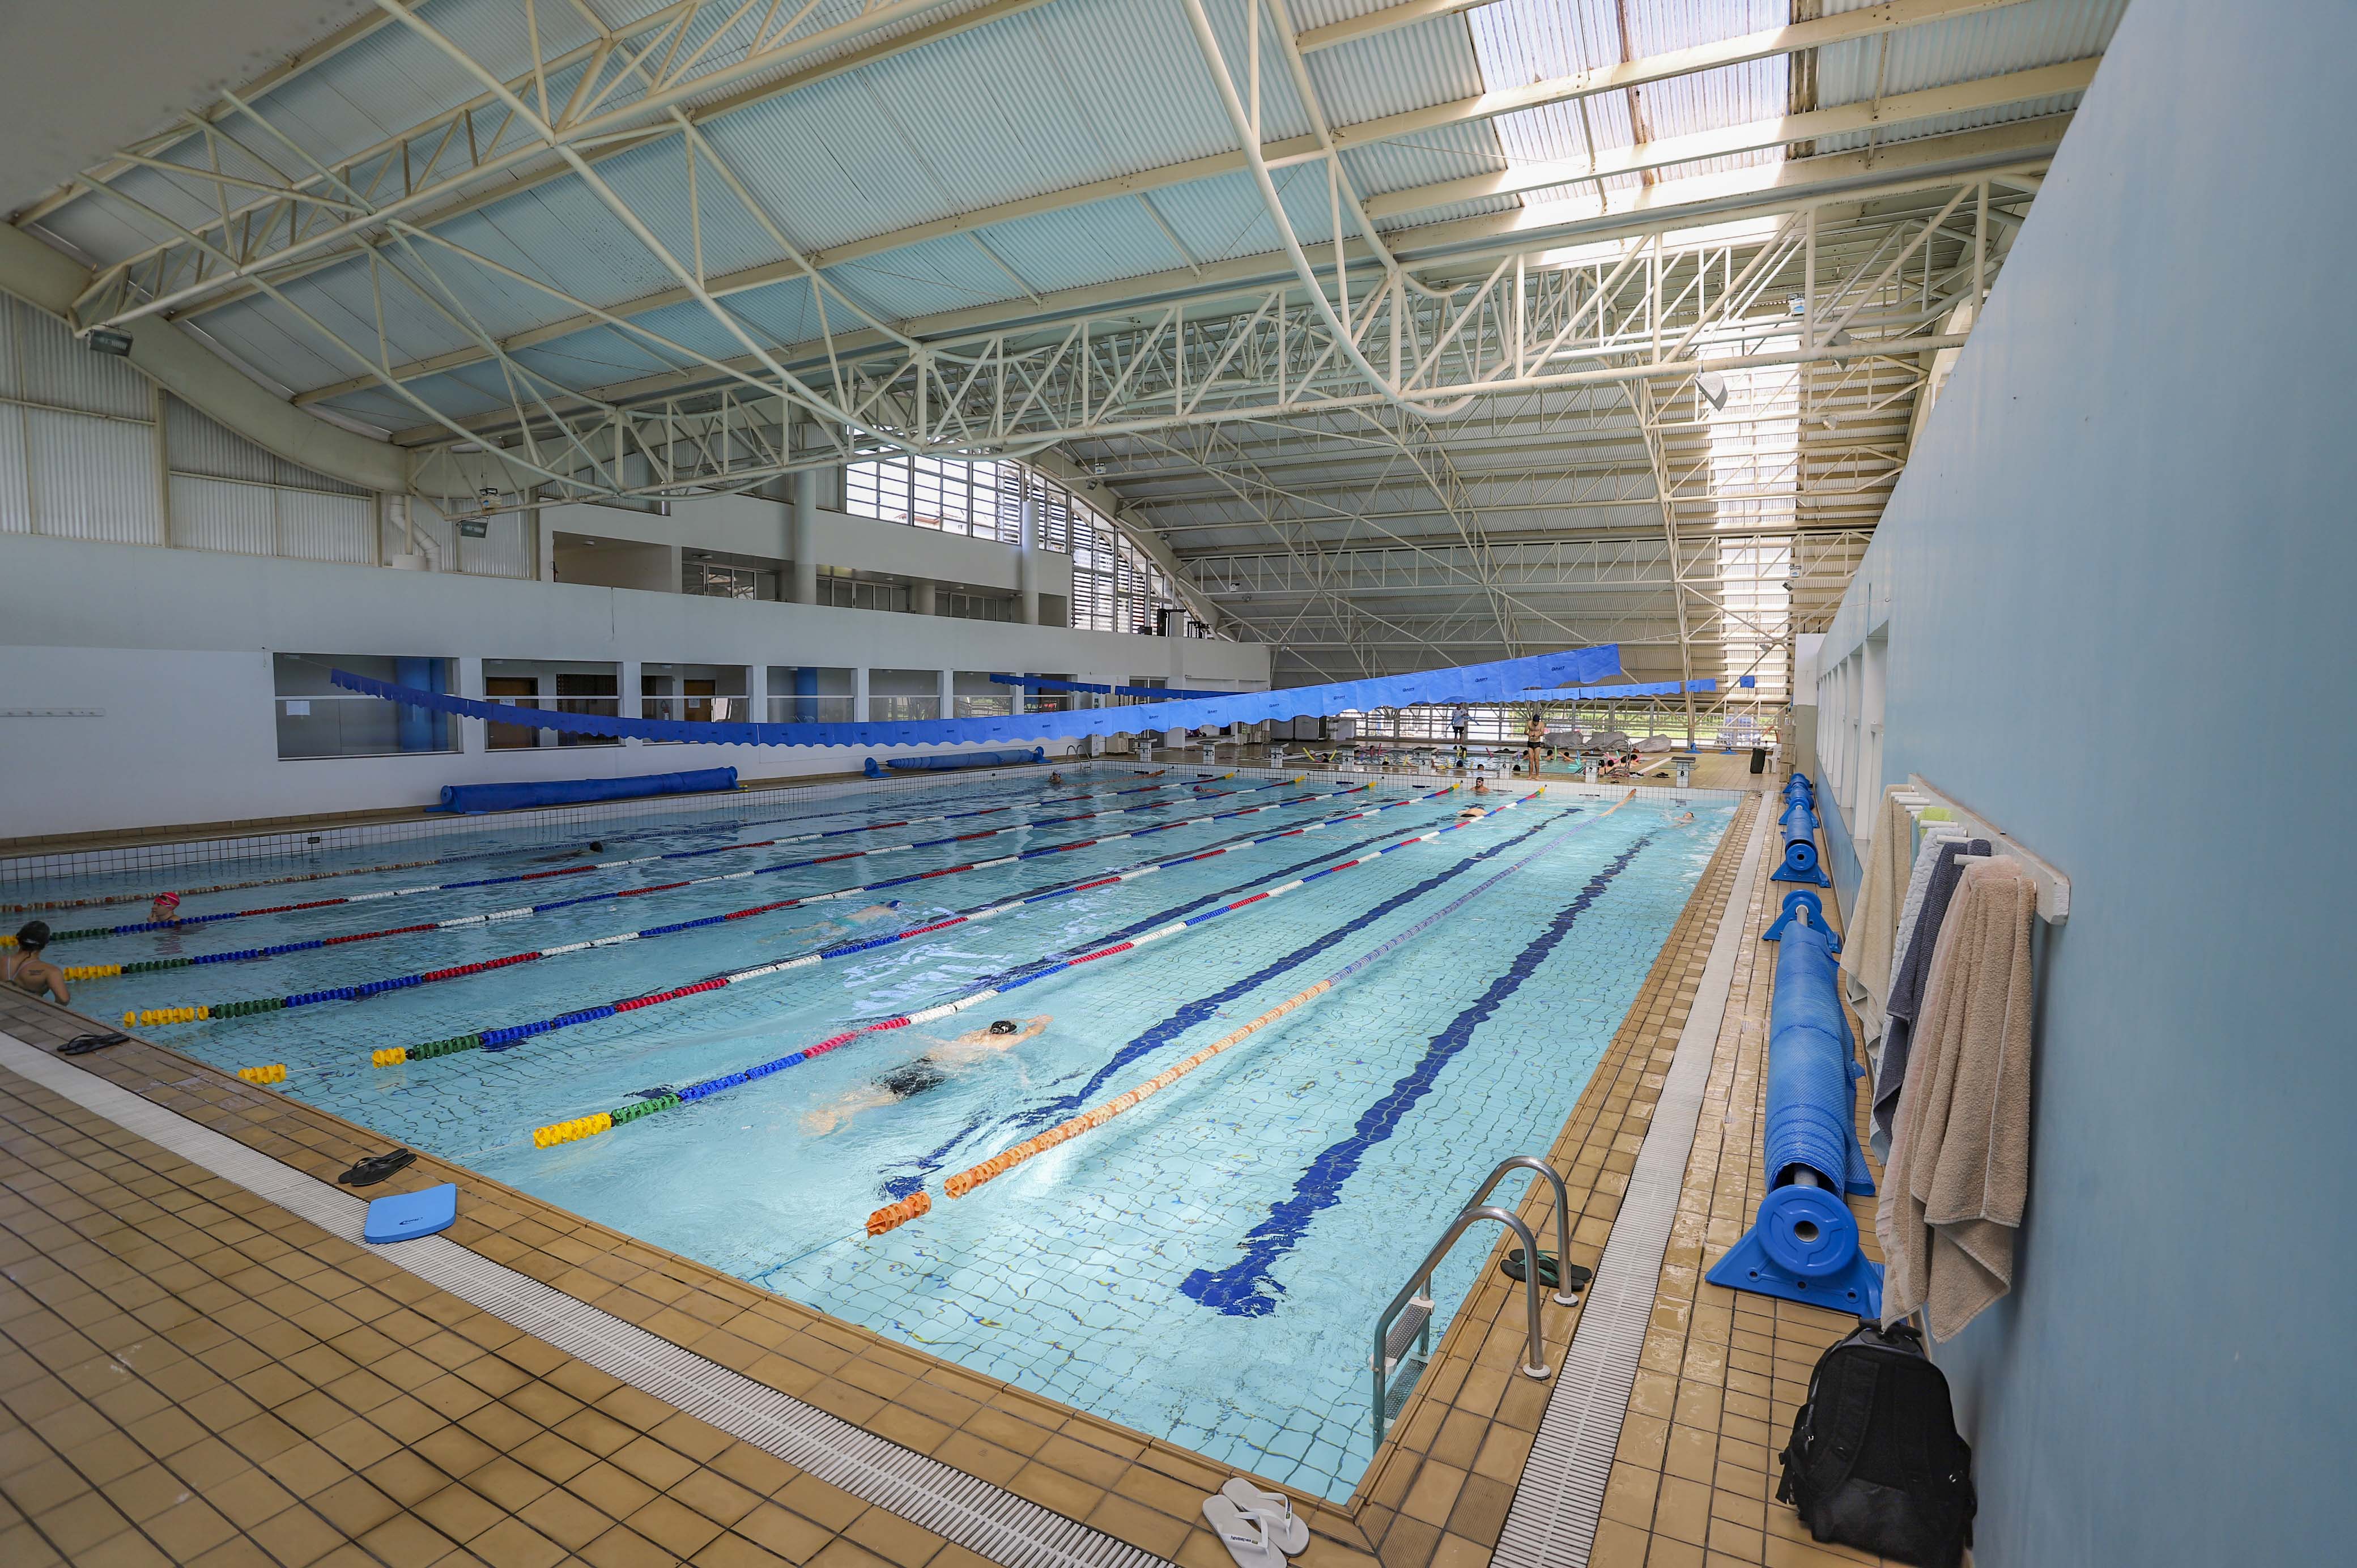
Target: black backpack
(1875,1461)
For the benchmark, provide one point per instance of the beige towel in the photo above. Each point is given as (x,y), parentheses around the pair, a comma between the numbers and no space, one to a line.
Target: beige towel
(1867,939)
(1959,1172)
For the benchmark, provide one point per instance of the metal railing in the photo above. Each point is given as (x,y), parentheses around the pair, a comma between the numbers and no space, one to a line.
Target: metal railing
(1409,1315)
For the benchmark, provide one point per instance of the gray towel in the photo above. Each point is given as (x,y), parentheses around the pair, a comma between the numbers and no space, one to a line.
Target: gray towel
(1907,982)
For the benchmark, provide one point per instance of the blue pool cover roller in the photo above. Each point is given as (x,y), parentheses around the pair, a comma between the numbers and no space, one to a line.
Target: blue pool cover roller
(574,791)
(949,761)
(1798,830)
(1803,1244)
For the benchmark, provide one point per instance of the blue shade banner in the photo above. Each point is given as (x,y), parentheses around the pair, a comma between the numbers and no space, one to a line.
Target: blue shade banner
(1642,689)
(1504,681)
(1046,683)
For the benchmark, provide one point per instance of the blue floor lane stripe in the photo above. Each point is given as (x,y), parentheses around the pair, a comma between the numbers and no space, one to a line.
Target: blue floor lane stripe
(1245,1288)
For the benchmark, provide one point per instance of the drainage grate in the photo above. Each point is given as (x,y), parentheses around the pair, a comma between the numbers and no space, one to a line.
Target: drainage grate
(976,1515)
(1551,1522)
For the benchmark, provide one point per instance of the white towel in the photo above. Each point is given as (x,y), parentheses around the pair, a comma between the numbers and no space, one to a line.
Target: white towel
(1866,953)
(1926,856)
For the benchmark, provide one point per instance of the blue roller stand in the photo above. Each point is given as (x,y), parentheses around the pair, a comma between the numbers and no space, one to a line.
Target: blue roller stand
(1798,828)
(1803,1244)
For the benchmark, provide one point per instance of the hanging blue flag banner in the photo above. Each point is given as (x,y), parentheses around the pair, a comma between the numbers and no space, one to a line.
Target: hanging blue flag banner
(1502,681)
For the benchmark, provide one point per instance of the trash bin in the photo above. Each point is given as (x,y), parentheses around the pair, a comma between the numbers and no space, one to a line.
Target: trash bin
(1758,759)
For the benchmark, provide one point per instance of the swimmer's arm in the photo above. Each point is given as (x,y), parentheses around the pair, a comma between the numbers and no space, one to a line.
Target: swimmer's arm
(56,979)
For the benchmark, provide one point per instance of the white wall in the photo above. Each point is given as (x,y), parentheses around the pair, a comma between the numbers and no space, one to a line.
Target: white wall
(175,646)
(2113,590)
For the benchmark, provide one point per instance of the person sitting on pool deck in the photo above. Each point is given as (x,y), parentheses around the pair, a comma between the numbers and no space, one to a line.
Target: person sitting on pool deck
(25,968)
(927,1071)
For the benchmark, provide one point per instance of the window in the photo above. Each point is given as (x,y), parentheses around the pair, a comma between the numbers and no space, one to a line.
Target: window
(561,687)
(977,696)
(810,694)
(317,719)
(693,694)
(845,589)
(980,607)
(1115,588)
(713,579)
(904,694)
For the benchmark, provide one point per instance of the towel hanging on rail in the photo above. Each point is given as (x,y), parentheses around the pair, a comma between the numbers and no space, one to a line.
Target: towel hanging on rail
(1866,958)
(1912,973)
(1954,1193)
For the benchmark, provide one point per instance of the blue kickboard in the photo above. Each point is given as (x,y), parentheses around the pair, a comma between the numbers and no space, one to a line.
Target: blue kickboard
(406,1215)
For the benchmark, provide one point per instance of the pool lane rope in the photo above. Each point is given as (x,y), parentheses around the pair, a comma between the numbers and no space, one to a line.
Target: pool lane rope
(590,1126)
(526,911)
(105,971)
(893,1215)
(361,990)
(39,905)
(506,1038)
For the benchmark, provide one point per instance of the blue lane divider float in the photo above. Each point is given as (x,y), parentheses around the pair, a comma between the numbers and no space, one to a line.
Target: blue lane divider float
(470,798)
(1803,1244)
(1798,827)
(952,761)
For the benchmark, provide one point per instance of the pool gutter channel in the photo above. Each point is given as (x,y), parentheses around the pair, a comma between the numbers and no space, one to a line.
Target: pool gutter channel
(1557,1504)
(987,1519)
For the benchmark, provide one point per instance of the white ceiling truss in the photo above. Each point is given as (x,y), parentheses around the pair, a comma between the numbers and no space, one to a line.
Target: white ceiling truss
(1387,386)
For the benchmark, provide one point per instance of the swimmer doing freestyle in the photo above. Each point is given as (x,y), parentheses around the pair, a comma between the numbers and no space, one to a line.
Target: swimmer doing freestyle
(927,1071)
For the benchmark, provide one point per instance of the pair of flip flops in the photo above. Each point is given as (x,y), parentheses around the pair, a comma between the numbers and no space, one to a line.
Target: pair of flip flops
(82,1045)
(1551,1273)
(1259,1528)
(374,1168)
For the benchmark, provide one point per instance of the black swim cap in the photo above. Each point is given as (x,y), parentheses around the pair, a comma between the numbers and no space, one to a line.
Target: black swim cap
(999,1026)
(33,935)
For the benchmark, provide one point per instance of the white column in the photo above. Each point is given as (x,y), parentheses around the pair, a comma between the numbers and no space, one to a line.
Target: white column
(626,685)
(923,596)
(859,693)
(1026,562)
(757,694)
(948,687)
(472,736)
(801,525)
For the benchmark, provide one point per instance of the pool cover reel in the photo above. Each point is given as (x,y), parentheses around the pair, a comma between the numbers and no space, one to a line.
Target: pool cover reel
(471,798)
(1804,1243)
(953,761)
(1798,828)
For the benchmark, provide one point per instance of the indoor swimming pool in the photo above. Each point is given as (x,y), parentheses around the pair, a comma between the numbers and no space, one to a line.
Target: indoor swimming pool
(1205,1267)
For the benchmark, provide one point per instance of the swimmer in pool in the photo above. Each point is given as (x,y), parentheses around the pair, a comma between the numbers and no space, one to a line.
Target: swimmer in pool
(841,924)
(1057,779)
(24,968)
(165,910)
(1680,819)
(931,1070)
(1481,786)
(596,847)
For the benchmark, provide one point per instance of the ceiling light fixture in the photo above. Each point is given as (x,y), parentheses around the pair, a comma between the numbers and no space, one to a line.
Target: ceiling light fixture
(1712,385)
(105,340)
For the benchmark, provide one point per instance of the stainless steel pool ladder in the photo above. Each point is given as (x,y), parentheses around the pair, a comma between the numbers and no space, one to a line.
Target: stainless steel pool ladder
(1409,1316)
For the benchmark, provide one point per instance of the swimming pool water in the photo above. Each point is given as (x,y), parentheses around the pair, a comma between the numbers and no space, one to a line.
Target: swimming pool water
(1205,1268)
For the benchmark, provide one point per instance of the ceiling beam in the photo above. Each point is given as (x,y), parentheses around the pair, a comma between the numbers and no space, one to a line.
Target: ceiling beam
(1963,98)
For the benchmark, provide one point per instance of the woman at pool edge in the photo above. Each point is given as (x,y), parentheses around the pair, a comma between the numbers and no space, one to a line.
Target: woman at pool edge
(24,968)
(931,1070)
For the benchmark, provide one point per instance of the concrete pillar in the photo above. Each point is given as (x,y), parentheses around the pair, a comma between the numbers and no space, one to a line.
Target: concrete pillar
(859,695)
(923,596)
(471,733)
(948,687)
(1026,562)
(757,696)
(627,687)
(801,532)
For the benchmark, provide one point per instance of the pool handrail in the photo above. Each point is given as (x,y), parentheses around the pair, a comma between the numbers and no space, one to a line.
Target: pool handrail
(1534,1350)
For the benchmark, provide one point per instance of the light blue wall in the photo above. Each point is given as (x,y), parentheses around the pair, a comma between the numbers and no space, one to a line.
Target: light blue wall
(2119,572)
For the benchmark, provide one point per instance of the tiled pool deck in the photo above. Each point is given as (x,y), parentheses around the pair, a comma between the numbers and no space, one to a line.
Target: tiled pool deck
(191,1374)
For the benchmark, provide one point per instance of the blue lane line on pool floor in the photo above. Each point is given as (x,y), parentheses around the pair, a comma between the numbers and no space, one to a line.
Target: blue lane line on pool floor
(1238,1290)
(1189,1015)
